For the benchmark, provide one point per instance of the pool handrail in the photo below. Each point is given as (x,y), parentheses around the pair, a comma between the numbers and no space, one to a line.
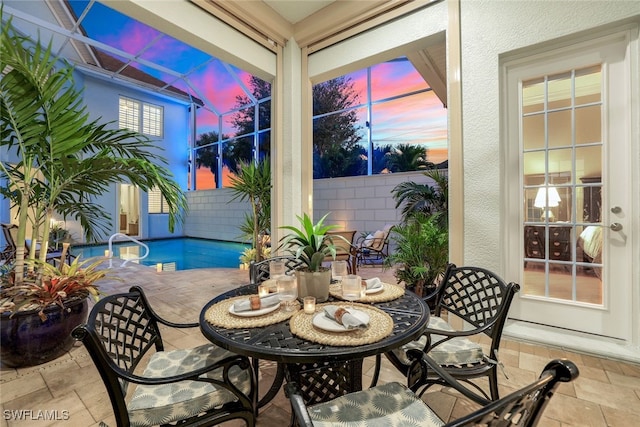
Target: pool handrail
(129,259)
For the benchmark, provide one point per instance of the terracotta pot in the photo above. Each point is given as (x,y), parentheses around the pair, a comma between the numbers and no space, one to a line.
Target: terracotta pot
(25,340)
(314,283)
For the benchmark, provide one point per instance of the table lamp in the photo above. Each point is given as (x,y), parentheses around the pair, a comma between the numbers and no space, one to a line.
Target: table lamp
(547,198)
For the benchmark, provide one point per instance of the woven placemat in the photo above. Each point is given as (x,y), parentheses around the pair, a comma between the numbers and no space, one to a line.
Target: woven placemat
(218,315)
(380,326)
(389,293)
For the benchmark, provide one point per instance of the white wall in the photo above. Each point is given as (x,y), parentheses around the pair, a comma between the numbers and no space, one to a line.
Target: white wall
(213,216)
(490,29)
(101,97)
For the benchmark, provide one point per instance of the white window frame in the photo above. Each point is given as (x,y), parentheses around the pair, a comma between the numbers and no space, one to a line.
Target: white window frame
(154,195)
(141,117)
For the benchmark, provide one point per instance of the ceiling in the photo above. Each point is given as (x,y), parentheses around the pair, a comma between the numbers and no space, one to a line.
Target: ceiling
(295,11)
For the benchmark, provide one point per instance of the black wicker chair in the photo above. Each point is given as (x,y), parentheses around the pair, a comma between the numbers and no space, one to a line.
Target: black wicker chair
(393,404)
(482,300)
(203,386)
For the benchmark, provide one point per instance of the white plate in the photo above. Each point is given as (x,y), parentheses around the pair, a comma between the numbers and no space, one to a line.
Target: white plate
(374,290)
(323,322)
(254,313)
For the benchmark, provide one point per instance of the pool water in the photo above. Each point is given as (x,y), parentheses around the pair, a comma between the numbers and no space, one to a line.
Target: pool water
(183,253)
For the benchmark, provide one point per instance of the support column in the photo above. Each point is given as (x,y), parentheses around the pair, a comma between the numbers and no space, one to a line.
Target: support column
(292,163)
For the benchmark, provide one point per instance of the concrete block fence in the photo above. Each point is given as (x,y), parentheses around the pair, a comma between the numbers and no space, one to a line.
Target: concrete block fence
(362,203)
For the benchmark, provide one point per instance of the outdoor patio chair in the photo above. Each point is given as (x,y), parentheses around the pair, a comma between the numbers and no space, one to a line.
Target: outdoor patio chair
(480,299)
(202,386)
(373,248)
(345,250)
(8,254)
(394,404)
(259,271)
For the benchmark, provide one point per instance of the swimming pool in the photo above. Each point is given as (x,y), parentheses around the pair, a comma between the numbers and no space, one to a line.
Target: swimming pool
(184,253)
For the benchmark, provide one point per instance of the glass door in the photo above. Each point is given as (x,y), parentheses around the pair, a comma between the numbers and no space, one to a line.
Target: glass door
(570,117)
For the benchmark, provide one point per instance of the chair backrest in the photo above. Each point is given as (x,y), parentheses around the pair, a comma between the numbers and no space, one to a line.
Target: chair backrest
(8,254)
(120,330)
(343,247)
(525,406)
(379,240)
(259,271)
(478,296)
(9,232)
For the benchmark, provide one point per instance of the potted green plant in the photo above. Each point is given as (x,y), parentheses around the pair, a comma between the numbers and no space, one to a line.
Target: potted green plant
(55,161)
(39,313)
(311,244)
(421,252)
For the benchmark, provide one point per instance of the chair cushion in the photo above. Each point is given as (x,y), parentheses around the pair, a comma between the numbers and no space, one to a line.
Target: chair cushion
(367,240)
(457,351)
(153,405)
(390,404)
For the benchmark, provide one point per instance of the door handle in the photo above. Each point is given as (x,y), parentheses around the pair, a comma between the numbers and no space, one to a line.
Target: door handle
(615,226)
(616,209)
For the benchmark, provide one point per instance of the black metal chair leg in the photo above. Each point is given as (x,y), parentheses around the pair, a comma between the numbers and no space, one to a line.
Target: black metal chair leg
(275,385)
(376,372)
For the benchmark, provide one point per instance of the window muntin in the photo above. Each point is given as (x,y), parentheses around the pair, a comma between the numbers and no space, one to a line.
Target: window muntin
(562,164)
(398,114)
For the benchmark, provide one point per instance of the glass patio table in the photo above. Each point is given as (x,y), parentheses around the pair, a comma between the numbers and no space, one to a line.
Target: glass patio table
(322,371)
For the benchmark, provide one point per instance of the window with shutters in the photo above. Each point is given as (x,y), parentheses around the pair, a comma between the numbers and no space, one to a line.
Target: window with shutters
(140,117)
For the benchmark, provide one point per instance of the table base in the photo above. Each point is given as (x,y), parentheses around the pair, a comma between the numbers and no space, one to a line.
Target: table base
(321,382)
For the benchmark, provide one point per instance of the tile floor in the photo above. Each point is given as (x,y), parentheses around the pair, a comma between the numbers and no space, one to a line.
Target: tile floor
(607,393)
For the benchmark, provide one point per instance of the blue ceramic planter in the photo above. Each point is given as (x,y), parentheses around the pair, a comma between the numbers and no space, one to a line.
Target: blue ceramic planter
(25,340)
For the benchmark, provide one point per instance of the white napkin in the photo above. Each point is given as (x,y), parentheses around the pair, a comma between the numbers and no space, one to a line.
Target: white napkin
(348,320)
(374,283)
(245,304)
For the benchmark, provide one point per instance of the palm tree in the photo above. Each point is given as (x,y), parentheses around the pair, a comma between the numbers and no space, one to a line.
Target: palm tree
(253,183)
(424,198)
(407,157)
(64,159)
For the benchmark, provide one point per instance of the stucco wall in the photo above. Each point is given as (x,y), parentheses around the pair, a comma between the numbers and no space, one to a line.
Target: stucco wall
(521,25)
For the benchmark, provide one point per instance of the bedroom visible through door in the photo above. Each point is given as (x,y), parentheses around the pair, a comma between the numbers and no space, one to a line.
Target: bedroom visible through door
(570,128)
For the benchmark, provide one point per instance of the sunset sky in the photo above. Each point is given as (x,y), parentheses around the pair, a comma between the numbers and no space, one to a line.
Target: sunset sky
(420,118)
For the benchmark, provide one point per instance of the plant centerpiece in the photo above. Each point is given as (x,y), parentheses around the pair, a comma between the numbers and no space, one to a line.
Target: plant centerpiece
(56,161)
(311,245)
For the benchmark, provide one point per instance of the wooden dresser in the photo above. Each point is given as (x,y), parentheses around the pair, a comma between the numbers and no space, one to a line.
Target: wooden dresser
(559,242)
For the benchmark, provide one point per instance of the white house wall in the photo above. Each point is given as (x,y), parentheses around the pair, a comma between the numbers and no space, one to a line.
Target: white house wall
(490,29)
(102,97)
